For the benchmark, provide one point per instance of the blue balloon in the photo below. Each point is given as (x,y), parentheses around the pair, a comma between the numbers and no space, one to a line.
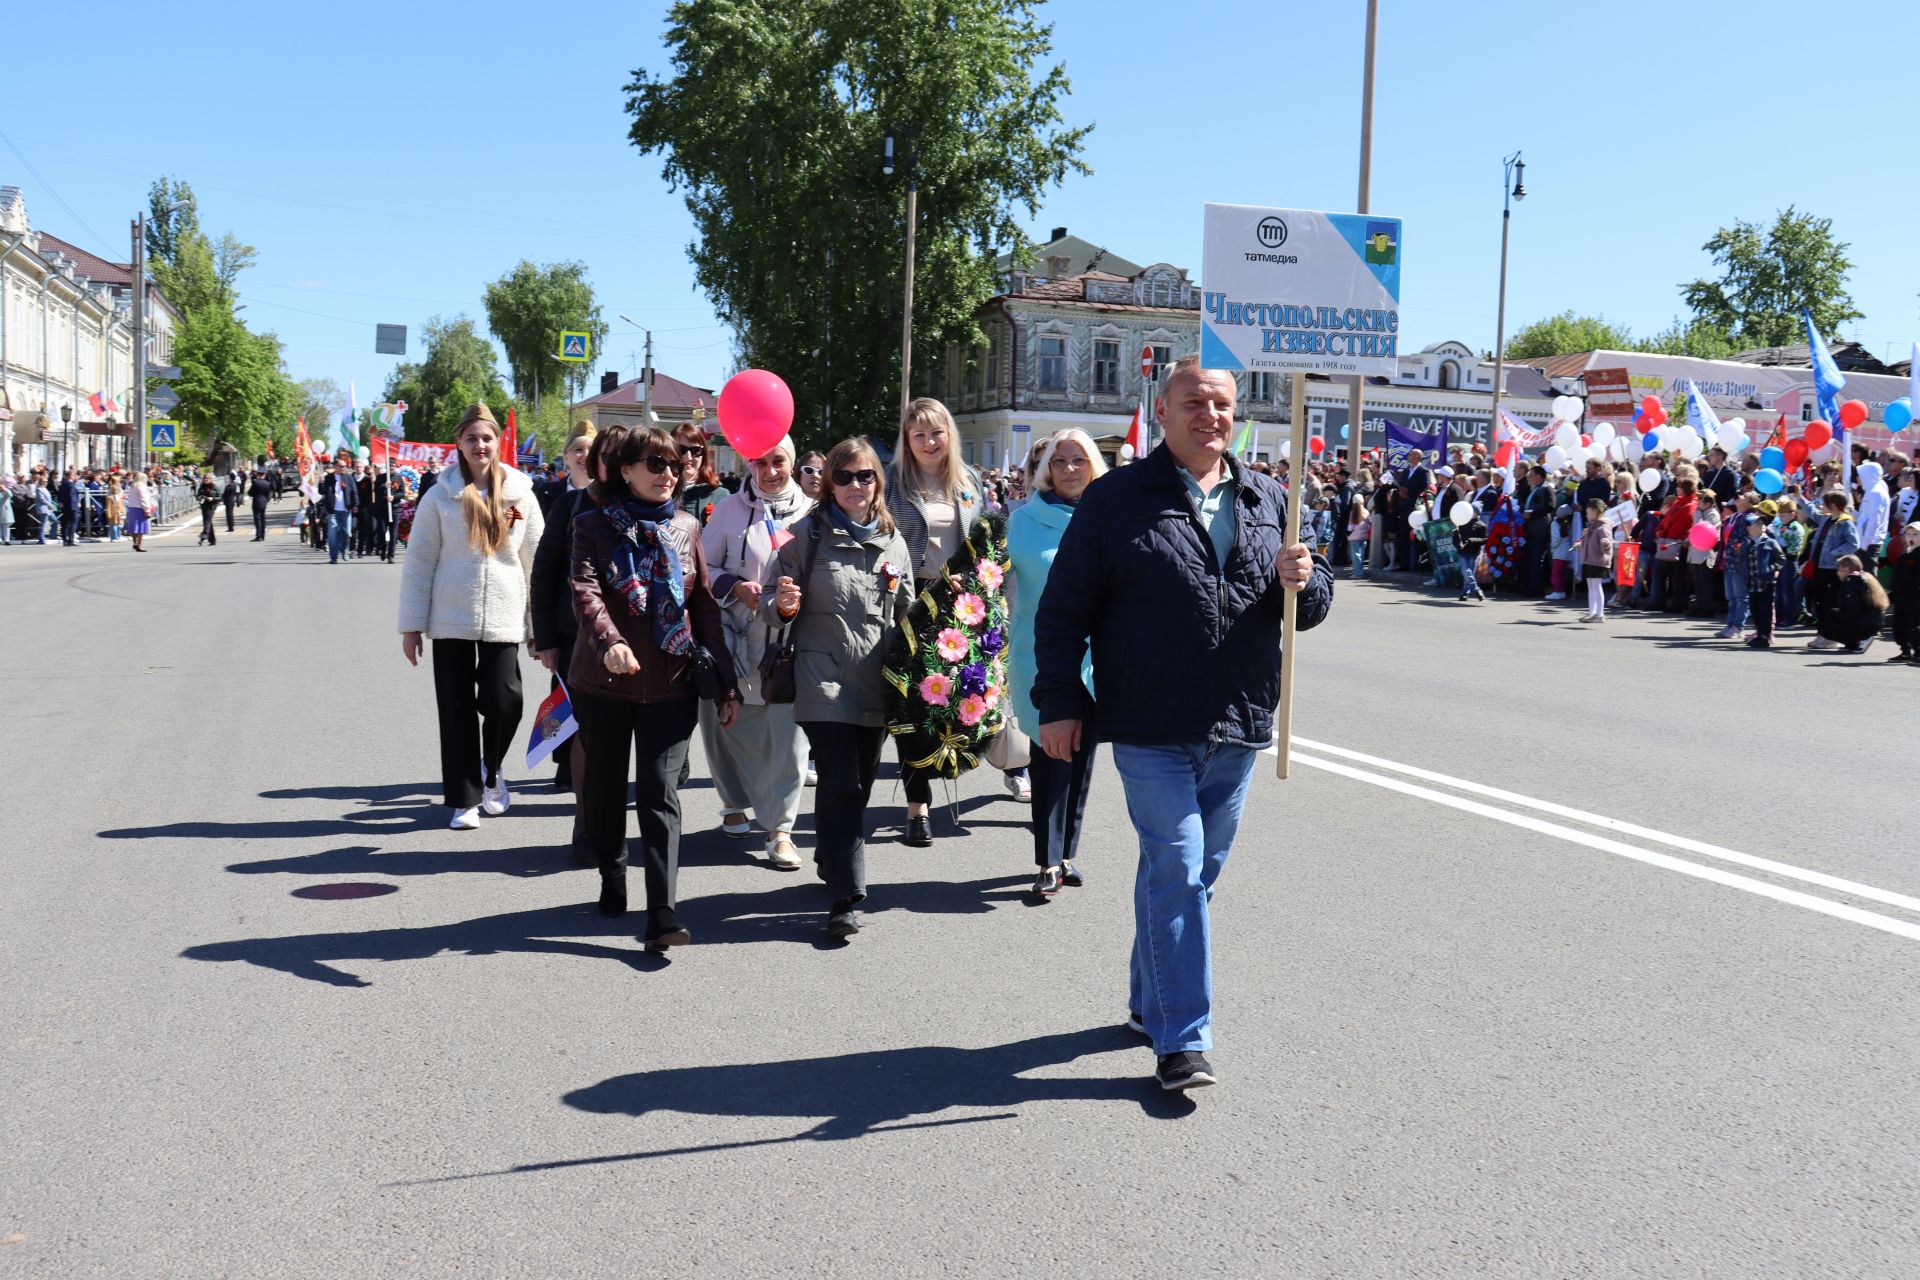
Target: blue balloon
(1773,459)
(1650,441)
(1343,431)
(1767,480)
(1899,414)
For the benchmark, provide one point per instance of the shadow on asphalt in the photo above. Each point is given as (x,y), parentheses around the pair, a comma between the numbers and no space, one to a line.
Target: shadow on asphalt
(855,1095)
(795,913)
(362,860)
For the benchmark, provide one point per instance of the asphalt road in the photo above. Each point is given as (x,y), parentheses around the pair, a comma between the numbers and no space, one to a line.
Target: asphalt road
(1460,1034)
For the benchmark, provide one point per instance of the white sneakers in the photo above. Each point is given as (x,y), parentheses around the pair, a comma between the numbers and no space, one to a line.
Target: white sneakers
(1555,595)
(465,820)
(1019,788)
(494,800)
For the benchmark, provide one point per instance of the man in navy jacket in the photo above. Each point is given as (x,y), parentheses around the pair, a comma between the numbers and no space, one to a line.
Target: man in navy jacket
(1175,570)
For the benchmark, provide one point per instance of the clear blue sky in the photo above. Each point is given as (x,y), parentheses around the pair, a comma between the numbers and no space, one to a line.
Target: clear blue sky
(388,159)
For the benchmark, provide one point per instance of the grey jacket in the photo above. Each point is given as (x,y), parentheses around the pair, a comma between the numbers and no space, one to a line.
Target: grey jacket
(847,615)
(910,517)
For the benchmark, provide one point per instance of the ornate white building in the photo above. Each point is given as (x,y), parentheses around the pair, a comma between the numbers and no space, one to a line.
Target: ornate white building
(66,333)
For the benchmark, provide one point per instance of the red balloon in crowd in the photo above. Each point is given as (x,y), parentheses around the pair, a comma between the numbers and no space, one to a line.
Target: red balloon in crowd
(1316,445)
(1853,413)
(1818,434)
(1651,405)
(1586,441)
(1796,451)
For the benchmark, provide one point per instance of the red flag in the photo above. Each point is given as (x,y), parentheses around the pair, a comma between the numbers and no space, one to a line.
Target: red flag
(302,449)
(1778,440)
(1137,433)
(510,442)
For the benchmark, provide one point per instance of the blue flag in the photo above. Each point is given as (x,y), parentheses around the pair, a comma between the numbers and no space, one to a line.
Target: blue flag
(1402,439)
(1827,378)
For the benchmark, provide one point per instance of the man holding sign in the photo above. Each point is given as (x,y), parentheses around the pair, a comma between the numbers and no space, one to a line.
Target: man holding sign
(1177,571)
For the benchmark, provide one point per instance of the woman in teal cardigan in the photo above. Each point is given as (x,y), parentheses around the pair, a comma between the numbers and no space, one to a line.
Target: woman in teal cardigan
(1069,462)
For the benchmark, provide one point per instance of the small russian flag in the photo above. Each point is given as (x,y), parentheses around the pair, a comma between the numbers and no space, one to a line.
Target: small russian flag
(777,536)
(553,724)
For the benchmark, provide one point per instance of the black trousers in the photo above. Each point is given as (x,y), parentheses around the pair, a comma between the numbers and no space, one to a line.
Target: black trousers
(476,685)
(1760,610)
(652,738)
(229,506)
(846,757)
(260,523)
(206,524)
(1060,790)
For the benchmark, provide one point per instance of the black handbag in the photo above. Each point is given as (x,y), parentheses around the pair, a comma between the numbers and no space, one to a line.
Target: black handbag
(778,683)
(705,673)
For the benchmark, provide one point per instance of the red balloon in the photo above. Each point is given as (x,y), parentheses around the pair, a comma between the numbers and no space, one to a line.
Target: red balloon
(1818,434)
(1796,452)
(1651,405)
(755,408)
(1316,445)
(1586,441)
(1853,413)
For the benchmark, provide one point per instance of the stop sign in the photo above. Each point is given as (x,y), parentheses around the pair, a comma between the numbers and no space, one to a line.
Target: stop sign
(1146,362)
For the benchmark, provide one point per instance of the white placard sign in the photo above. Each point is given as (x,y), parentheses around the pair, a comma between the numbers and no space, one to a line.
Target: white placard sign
(1294,289)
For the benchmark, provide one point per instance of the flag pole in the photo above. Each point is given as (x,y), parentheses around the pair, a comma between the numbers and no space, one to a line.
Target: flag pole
(1290,605)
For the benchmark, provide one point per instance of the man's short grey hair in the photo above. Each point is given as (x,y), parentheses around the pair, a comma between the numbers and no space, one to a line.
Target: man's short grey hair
(1189,364)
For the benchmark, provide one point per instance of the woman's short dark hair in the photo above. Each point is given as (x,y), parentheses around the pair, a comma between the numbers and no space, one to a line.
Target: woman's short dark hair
(633,449)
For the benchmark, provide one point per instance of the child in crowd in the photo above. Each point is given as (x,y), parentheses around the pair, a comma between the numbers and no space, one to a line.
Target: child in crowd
(1793,545)
(1765,565)
(1470,540)
(1359,526)
(1596,559)
(1733,567)
(1862,607)
(1906,595)
(1563,553)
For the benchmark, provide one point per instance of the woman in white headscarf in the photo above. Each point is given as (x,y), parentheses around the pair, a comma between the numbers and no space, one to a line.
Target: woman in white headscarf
(758,765)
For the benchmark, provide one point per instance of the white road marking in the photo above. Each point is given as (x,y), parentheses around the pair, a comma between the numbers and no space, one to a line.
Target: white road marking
(1792,897)
(1852,888)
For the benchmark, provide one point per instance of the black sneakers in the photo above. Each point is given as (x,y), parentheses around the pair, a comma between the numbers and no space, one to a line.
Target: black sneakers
(919,833)
(1179,1072)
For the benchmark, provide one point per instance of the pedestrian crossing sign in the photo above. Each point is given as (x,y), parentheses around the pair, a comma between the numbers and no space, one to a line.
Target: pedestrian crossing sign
(573,346)
(163,435)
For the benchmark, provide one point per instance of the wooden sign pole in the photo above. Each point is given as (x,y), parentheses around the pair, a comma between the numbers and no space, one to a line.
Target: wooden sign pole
(1296,485)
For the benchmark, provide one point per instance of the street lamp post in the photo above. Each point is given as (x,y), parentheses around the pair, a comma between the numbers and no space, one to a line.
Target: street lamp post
(1514,168)
(140,332)
(646,373)
(891,148)
(66,436)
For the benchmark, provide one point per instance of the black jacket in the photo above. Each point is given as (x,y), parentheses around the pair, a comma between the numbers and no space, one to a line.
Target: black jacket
(350,490)
(230,492)
(549,595)
(260,490)
(1183,652)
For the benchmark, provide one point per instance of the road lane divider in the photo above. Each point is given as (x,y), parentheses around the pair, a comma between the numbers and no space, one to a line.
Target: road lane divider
(1786,871)
(1605,844)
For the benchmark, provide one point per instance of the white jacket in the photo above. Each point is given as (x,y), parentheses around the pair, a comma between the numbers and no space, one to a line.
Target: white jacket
(452,592)
(1874,504)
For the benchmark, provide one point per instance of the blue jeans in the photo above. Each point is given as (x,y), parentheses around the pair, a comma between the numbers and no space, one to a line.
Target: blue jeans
(1185,803)
(337,530)
(1357,553)
(1736,599)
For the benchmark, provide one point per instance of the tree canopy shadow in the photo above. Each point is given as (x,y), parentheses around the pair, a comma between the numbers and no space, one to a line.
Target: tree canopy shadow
(360,860)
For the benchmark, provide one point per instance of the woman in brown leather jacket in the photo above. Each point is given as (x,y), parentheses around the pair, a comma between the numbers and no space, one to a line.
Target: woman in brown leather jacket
(643,600)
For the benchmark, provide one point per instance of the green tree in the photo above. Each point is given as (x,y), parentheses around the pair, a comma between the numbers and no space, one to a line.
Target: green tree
(322,401)
(1697,338)
(527,309)
(1767,274)
(458,370)
(231,385)
(1566,334)
(772,124)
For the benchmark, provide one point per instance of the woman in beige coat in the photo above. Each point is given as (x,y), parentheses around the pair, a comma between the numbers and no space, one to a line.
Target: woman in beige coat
(464,583)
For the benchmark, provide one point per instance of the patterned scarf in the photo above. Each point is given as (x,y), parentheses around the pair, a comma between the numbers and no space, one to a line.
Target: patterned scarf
(646,568)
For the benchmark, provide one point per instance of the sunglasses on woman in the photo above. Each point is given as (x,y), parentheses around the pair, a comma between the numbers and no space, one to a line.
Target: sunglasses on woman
(863,477)
(661,465)
(692,451)
(810,470)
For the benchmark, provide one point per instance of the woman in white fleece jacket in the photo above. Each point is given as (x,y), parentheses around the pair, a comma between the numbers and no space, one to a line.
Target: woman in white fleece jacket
(464,583)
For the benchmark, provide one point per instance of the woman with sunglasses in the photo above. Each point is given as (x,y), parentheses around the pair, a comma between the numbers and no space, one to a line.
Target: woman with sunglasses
(555,629)
(700,484)
(643,599)
(1068,463)
(935,500)
(811,473)
(842,583)
(760,762)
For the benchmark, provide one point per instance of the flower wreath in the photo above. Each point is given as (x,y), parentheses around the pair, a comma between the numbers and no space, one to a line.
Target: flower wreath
(1504,540)
(948,666)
